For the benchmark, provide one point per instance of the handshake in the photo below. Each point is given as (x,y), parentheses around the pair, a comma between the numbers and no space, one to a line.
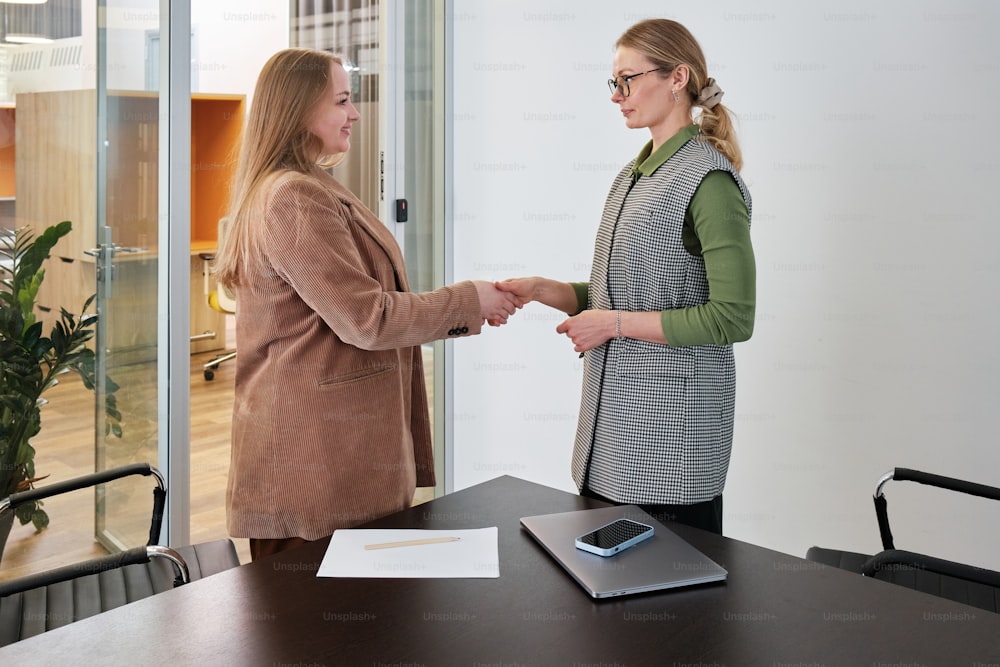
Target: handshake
(499,300)
(587,328)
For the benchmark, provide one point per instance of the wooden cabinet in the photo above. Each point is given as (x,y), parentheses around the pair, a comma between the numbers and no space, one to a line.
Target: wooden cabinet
(56,179)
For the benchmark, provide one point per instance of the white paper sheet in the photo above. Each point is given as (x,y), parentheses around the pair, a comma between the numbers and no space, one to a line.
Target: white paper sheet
(475,555)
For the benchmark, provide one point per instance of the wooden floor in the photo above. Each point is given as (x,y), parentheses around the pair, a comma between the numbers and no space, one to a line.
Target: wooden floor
(65,448)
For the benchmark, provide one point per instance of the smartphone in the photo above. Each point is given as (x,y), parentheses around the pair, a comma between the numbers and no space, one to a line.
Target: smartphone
(614,537)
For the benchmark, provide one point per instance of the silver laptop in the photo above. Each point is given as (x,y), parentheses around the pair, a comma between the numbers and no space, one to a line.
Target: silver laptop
(659,562)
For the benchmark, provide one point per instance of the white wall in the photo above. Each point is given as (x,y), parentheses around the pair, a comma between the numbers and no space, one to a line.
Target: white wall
(870,145)
(235,39)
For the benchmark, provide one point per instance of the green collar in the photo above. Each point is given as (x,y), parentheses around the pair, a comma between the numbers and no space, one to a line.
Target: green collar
(647,162)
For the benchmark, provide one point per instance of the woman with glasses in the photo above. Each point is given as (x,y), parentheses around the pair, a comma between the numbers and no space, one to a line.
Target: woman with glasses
(671,289)
(330,420)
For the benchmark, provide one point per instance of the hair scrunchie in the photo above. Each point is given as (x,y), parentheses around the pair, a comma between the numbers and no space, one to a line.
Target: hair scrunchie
(711,94)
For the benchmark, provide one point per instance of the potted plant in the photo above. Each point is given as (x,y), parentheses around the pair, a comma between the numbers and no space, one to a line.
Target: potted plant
(31,362)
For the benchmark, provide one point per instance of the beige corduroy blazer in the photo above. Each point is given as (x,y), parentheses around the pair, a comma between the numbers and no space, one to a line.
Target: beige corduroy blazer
(330,421)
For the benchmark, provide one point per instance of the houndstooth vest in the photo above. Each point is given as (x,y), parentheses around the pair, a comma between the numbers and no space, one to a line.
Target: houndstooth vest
(656,422)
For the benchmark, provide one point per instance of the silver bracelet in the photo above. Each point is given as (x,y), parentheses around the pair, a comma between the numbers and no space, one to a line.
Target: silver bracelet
(618,324)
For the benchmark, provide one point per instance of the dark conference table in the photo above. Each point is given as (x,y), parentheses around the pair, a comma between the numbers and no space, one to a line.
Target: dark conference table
(775,610)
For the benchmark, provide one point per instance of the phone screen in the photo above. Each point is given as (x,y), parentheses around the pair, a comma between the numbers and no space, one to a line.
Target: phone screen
(613,534)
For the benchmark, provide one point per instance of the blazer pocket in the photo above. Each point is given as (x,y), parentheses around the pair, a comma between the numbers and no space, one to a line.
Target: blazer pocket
(357,375)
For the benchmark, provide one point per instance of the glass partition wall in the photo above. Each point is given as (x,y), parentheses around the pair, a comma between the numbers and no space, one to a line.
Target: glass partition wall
(84,136)
(350,29)
(421,171)
(127,258)
(86,149)
(395,54)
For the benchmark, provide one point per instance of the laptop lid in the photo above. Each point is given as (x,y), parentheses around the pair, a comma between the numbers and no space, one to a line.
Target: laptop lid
(660,562)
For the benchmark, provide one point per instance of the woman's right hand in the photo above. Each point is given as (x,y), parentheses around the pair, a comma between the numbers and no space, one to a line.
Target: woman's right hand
(525,289)
(552,293)
(495,305)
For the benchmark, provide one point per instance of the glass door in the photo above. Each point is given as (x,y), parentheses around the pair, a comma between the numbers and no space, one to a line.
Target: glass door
(414,149)
(127,266)
(395,54)
(350,29)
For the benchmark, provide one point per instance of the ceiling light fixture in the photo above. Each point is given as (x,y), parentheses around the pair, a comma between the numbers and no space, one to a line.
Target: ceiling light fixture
(15,38)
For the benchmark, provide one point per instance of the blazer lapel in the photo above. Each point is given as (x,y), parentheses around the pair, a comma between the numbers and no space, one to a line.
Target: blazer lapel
(373,227)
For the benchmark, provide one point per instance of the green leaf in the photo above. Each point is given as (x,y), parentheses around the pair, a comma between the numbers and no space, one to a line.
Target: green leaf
(32,257)
(87,381)
(41,348)
(31,336)
(24,512)
(41,519)
(26,458)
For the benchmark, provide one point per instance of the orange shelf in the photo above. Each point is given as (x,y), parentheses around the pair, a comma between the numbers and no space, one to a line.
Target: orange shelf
(8,175)
(216,129)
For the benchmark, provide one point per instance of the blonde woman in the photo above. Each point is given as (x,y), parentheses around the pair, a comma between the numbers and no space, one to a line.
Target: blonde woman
(330,420)
(671,289)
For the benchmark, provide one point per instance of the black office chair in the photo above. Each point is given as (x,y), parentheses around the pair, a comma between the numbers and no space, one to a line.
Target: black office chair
(44,601)
(968,584)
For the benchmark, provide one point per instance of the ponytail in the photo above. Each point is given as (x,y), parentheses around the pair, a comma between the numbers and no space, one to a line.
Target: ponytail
(718,129)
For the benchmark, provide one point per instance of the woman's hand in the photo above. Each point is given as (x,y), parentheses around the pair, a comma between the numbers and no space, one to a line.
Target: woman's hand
(589,329)
(525,289)
(495,305)
(552,293)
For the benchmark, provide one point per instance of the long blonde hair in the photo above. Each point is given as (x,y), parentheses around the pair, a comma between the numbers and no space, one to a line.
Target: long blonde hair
(667,44)
(276,138)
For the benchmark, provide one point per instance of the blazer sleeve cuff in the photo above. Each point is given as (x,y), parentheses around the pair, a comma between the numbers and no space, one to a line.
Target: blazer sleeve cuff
(465,318)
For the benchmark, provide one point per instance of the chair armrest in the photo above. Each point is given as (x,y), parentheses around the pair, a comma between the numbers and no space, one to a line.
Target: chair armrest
(93,479)
(83,482)
(940,481)
(132,556)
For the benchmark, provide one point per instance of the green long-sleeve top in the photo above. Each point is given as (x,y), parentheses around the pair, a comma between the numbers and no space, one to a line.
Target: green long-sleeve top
(717,227)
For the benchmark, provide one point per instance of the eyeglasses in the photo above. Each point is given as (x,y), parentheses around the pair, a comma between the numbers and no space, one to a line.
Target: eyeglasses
(614,84)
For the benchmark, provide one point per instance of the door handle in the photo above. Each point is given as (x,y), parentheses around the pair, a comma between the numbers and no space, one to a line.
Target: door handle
(114,250)
(106,269)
